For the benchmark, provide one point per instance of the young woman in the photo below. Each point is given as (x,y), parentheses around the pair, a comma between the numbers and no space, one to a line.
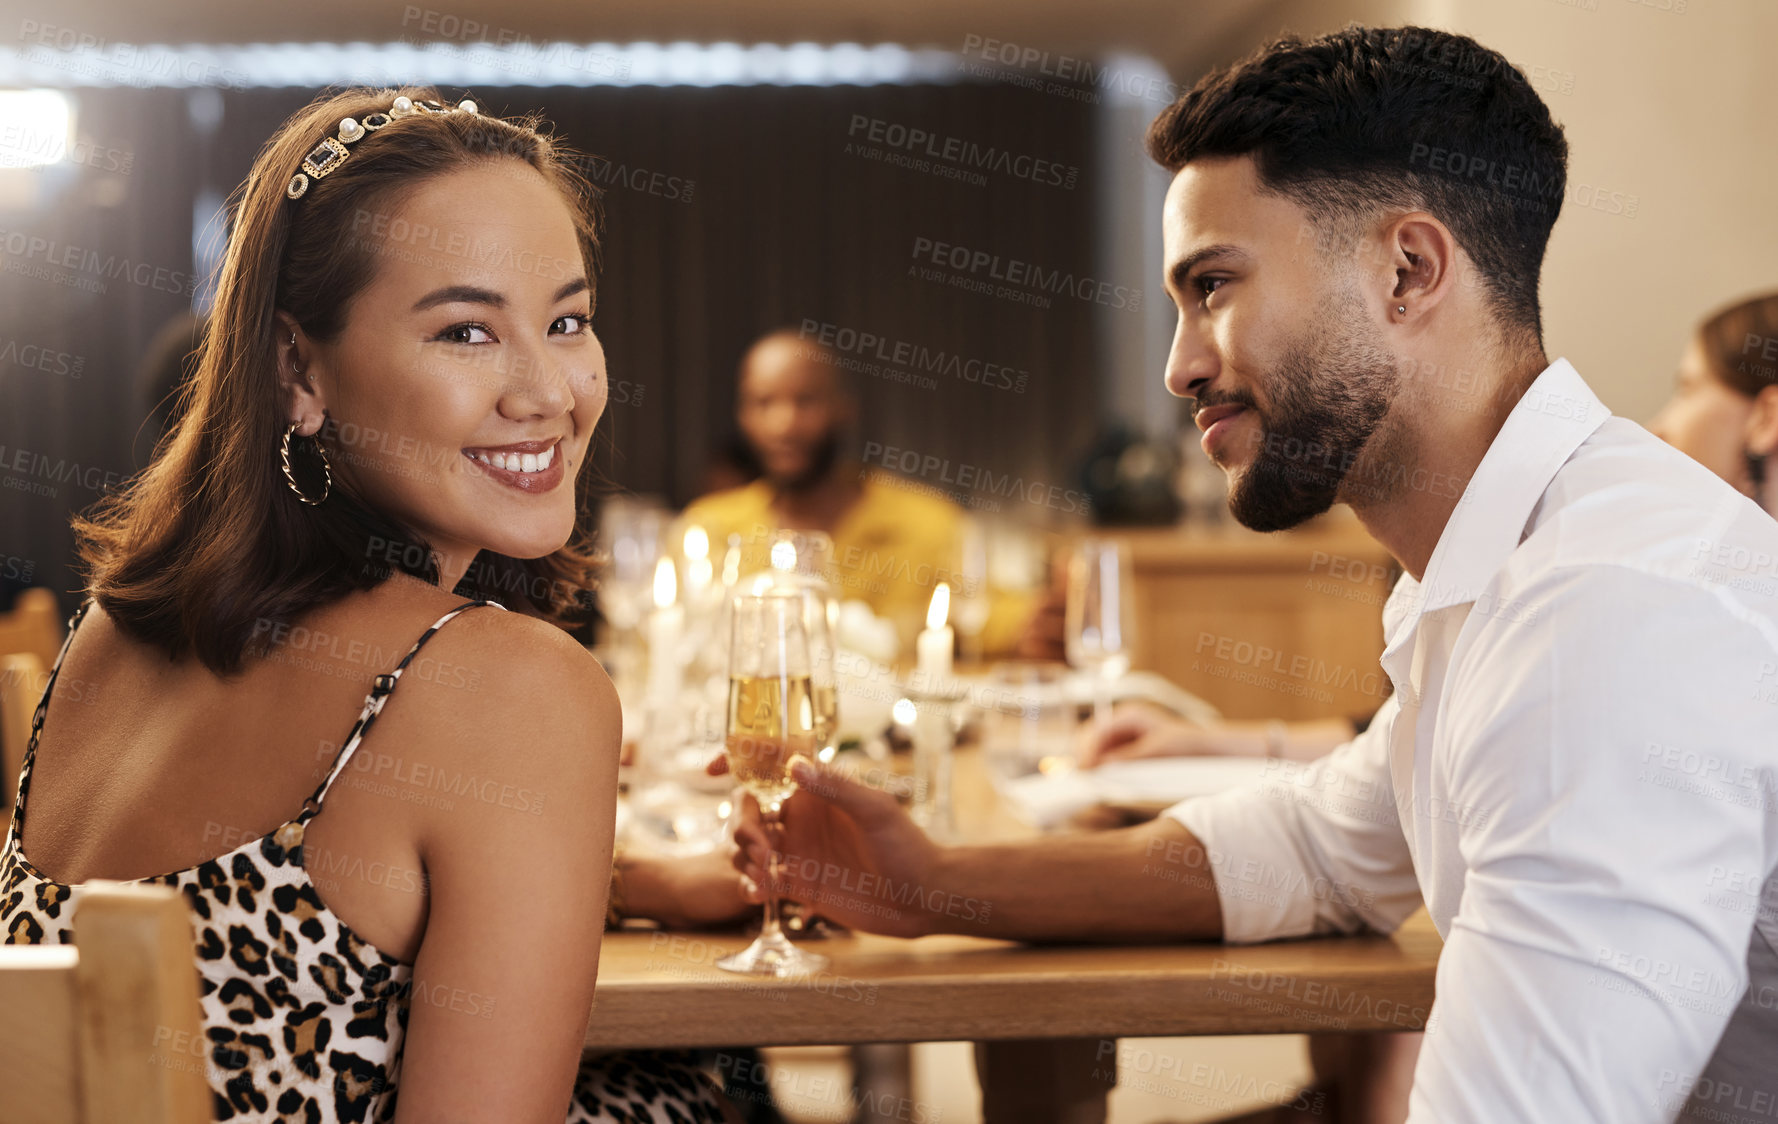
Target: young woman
(1724,410)
(368,508)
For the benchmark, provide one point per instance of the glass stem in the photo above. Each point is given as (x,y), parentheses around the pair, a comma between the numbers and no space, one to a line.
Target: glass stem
(769,929)
(1101,701)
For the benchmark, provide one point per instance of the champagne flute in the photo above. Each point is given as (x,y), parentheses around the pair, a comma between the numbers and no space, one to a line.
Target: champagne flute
(771,717)
(1100,617)
(819,613)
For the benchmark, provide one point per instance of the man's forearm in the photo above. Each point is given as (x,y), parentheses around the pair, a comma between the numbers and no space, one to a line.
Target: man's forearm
(1146,883)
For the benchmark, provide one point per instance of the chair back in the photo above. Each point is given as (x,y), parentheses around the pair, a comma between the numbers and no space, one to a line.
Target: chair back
(31,637)
(22,676)
(108,1029)
(34,625)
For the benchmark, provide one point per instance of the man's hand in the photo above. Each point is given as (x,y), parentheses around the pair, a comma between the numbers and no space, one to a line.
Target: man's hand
(846,850)
(1143,731)
(854,856)
(1140,730)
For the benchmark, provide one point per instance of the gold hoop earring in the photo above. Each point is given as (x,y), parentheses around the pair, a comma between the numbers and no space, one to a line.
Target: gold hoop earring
(290,478)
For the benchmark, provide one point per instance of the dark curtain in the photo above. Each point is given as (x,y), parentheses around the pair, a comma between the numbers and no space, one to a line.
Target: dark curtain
(727,212)
(91,267)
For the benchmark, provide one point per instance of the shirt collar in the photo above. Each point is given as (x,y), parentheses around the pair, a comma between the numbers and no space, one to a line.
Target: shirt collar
(1556,414)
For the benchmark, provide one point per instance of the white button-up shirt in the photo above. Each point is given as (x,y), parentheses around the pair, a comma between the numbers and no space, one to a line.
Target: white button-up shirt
(1578,774)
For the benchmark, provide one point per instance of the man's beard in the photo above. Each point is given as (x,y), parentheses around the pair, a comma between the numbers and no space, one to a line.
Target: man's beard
(822,460)
(1329,394)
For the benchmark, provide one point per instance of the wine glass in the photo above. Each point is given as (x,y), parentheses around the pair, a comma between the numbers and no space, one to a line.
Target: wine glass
(771,717)
(819,615)
(676,807)
(1027,728)
(630,532)
(971,608)
(1100,617)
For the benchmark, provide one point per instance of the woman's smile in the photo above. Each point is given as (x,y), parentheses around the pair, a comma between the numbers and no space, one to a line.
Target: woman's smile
(529,466)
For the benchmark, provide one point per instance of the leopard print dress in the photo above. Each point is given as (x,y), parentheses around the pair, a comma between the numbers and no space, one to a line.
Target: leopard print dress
(304,1020)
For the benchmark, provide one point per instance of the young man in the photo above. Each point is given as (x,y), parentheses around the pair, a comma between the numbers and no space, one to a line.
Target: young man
(1577,772)
(891,544)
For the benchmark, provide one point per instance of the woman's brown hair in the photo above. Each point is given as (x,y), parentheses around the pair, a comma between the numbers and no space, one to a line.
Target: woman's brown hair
(208,548)
(1741,344)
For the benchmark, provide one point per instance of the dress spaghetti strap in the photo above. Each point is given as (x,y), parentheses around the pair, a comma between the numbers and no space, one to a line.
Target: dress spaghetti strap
(38,715)
(382,687)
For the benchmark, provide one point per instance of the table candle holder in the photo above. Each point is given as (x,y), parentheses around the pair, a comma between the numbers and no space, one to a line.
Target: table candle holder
(935,736)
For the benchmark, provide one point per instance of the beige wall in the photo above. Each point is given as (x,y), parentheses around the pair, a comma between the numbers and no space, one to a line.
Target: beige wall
(1678,108)
(1670,103)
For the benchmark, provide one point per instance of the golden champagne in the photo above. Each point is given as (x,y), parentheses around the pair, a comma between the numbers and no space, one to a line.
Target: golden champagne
(769,720)
(827,716)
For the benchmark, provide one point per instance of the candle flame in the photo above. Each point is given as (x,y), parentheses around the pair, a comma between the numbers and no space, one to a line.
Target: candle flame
(700,572)
(666,583)
(697,543)
(940,608)
(784,556)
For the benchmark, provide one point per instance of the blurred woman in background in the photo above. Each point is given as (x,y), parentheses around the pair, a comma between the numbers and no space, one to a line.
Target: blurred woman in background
(1724,410)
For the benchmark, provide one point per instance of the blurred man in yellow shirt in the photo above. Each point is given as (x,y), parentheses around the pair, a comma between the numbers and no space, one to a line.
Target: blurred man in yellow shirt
(892,541)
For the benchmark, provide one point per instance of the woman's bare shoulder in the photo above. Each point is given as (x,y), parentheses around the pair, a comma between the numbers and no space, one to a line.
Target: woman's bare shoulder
(500,674)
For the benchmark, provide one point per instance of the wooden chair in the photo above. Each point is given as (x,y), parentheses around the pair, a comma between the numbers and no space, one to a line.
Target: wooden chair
(34,625)
(108,1029)
(22,676)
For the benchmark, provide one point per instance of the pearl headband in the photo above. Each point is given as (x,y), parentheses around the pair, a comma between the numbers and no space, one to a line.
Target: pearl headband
(332,151)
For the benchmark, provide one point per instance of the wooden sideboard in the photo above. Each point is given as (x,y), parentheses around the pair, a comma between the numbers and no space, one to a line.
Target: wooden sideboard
(1286,625)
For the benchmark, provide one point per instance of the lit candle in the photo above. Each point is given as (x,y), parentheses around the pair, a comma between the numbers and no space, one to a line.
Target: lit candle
(933,735)
(664,627)
(698,569)
(731,562)
(933,647)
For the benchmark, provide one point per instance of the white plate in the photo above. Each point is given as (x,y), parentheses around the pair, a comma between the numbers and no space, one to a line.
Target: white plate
(1141,787)
(1168,780)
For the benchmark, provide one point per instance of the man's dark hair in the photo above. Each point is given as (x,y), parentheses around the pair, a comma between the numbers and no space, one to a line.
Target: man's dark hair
(1366,119)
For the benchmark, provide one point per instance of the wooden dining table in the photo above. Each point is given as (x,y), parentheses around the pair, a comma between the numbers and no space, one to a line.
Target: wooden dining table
(663,989)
